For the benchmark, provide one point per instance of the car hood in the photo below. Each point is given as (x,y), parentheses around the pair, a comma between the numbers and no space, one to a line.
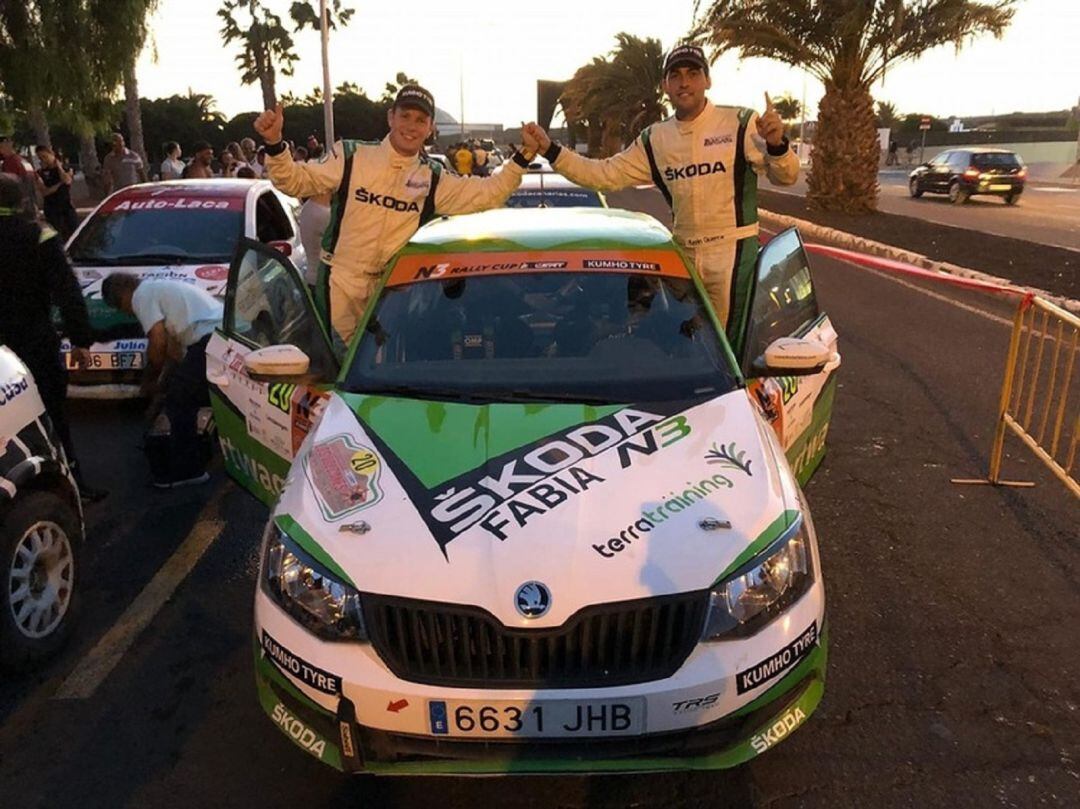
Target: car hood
(465,503)
(210,277)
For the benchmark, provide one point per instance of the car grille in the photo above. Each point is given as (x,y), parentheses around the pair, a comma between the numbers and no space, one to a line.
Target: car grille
(604,645)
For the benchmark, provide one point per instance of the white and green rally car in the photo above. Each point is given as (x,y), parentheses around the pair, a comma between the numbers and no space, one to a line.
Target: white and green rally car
(538,520)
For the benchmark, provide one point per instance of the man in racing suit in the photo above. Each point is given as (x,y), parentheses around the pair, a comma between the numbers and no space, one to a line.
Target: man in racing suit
(705,161)
(382,192)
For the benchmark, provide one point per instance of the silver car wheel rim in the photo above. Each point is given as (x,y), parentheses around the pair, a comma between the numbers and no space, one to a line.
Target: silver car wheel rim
(40,579)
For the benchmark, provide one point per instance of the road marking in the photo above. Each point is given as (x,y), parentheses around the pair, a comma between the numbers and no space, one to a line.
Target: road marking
(102,659)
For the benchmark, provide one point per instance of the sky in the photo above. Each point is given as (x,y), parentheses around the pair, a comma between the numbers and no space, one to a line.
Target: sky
(497,52)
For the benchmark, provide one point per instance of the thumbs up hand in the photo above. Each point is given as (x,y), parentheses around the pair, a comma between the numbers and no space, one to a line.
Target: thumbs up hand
(769,125)
(269,125)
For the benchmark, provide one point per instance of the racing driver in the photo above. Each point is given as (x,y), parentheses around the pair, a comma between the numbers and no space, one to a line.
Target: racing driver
(705,161)
(381,193)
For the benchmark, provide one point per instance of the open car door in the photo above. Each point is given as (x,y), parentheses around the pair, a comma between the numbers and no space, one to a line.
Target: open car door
(261,424)
(783,305)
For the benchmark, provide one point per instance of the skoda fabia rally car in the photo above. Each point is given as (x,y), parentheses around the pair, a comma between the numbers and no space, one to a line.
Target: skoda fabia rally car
(536,521)
(181,230)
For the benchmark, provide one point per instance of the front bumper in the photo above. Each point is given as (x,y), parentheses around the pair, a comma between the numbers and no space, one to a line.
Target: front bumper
(352,731)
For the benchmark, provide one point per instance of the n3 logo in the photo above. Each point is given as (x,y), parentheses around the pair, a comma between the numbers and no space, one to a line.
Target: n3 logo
(280,396)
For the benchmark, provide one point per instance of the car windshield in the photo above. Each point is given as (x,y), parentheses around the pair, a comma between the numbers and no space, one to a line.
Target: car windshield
(995,161)
(584,337)
(148,236)
(554,198)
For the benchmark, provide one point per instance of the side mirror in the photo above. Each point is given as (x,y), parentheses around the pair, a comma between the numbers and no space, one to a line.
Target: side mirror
(282,247)
(792,356)
(274,363)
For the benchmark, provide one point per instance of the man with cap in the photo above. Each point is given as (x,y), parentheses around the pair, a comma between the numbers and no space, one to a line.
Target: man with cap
(381,193)
(705,161)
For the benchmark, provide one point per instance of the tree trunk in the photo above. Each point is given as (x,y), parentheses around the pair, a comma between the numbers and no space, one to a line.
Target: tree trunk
(844,169)
(132,113)
(269,92)
(91,166)
(40,124)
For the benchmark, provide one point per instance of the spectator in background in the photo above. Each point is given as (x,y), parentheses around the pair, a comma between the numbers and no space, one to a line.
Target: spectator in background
(463,160)
(199,168)
(314,148)
(481,168)
(245,173)
(894,153)
(260,163)
(247,146)
(121,166)
(234,149)
(172,167)
(11,162)
(314,217)
(300,155)
(56,193)
(228,164)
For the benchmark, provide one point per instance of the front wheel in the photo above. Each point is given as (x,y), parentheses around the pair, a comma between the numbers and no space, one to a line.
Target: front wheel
(957,195)
(39,538)
(1012,199)
(913,188)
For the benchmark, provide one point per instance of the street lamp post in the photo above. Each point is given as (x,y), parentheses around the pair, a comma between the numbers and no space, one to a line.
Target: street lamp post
(328,91)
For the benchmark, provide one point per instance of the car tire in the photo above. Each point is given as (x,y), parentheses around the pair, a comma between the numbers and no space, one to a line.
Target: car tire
(913,188)
(39,543)
(957,194)
(1012,199)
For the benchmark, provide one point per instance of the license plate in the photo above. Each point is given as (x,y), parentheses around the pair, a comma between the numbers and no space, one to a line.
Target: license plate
(108,361)
(555,719)
(1001,187)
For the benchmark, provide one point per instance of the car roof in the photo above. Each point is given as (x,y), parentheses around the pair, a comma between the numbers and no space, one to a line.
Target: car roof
(532,181)
(983,150)
(217,187)
(540,229)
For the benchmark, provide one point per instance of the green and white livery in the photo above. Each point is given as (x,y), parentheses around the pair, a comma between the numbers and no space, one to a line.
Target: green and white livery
(536,520)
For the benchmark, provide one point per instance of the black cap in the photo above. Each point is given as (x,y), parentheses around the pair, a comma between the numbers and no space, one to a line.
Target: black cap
(686,55)
(413,95)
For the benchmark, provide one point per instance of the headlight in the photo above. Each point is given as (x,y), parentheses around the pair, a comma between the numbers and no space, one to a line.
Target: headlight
(307,591)
(761,590)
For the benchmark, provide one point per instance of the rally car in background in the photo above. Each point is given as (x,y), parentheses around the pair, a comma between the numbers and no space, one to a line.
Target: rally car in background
(550,190)
(534,520)
(41,524)
(182,230)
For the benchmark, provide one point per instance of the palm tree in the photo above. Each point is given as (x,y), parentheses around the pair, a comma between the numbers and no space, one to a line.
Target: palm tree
(266,43)
(620,94)
(848,45)
(887,117)
(787,107)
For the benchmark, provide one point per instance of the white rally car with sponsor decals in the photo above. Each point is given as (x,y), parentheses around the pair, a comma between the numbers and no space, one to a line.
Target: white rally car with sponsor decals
(182,230)
(41,524)
(538,508)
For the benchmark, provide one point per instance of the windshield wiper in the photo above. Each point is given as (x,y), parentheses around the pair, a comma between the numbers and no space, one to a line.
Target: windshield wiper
(154,258)
(415,392)
(524,394)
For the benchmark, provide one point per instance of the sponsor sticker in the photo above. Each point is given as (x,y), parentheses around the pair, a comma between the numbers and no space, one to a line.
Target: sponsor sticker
(298,731)
(729,457)
(184,202)
(344,476)
(9,391)
(776,664)
(294,665)
(717,140)
(212,272)
(788,721)
(695,704)
(418,268)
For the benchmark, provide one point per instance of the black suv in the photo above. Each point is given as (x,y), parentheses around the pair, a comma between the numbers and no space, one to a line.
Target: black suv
(963,172)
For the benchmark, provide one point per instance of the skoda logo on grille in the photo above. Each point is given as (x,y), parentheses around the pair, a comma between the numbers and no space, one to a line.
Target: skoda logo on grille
(533,599)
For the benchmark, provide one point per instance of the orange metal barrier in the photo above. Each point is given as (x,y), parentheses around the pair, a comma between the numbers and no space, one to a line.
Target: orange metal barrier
(1040,402)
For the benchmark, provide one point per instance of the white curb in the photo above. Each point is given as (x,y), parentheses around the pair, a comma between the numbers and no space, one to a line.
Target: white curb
(853,242)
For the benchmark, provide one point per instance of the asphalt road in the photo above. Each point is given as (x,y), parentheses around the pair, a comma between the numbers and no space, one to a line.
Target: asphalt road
(1045,214)
(953,671)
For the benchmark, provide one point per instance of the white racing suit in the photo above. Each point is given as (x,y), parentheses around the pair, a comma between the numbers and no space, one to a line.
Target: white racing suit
(379,199)
(707,170)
